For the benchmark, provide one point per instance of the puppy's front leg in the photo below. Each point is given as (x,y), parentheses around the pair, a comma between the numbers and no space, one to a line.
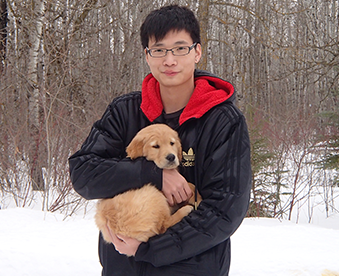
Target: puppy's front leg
(179,215)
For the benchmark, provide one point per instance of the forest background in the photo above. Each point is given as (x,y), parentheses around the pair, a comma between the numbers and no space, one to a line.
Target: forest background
(63,61)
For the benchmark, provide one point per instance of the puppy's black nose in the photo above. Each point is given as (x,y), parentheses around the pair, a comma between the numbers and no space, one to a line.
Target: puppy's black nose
(170,157)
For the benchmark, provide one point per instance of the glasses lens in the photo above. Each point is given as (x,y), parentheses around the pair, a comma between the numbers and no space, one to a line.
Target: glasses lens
(158,52)
(181,51)
(177,51)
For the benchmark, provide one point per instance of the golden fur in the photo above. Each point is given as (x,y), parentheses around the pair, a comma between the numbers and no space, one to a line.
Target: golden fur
(157,143)
(144,212)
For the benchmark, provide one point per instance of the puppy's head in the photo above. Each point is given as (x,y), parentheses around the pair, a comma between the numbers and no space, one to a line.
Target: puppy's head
(158,143)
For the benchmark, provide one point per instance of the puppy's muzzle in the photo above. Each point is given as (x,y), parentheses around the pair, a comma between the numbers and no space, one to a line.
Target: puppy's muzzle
(170,157)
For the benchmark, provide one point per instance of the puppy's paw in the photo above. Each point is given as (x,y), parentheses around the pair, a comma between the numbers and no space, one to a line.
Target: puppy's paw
(186,210)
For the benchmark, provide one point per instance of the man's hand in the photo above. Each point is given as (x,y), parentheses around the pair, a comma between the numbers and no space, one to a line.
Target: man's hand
(175,187)
(124,245)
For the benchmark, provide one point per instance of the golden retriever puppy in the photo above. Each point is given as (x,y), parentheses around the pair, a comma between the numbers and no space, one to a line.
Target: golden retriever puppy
(143,213)
(158,143)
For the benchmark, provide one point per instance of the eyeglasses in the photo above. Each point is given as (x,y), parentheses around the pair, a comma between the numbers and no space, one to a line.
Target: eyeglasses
(176,51)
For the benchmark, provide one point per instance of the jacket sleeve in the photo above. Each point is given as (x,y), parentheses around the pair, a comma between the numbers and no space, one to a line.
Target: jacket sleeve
(100,168)
(224,181)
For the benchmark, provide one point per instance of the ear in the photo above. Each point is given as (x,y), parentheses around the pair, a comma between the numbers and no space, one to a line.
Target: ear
(198,52)
(146,57)
(135,148)
(180,152)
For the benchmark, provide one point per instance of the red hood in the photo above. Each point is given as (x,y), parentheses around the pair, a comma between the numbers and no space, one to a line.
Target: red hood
(209,91)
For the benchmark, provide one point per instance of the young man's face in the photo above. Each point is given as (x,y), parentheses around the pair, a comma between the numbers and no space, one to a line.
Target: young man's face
(174,71)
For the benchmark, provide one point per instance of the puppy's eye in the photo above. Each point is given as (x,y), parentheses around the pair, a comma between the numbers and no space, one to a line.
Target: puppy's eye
(172,143)
(156,146)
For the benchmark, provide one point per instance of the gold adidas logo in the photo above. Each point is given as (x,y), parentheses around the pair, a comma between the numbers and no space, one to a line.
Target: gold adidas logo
(188,158)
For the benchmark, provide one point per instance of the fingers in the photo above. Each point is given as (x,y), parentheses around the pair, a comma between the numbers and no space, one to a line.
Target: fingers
(188,191)
(169,198)
(116,239)
(111,235)
(181,195)
(119,244)
(123,244)
(175,187)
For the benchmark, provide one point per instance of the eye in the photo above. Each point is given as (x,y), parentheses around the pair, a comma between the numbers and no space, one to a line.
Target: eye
(181,49)
(158,51)
(156,146)
(172,143)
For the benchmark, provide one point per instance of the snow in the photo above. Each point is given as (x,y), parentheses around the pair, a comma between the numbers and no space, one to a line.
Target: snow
(37,243)
(272,247)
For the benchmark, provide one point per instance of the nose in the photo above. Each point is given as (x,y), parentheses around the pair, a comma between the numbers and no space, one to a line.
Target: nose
(169,59)
(170,157)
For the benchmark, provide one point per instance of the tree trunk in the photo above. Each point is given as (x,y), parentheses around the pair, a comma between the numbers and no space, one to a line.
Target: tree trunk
(203,16)
(36,154)
(3,33)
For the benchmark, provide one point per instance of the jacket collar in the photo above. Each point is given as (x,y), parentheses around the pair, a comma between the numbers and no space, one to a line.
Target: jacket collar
(209,91)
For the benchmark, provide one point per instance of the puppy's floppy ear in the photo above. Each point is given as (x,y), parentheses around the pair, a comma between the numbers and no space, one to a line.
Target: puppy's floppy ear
(179,150)
(180,154)
(135,148)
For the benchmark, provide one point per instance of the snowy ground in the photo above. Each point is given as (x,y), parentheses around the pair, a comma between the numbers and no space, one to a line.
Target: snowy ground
(35,243)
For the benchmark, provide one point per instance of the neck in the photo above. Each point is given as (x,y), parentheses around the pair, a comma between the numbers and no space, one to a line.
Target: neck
(175,98)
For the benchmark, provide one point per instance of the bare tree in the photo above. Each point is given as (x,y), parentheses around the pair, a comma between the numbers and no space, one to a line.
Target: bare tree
(3,33)
(62,62)
(34,93)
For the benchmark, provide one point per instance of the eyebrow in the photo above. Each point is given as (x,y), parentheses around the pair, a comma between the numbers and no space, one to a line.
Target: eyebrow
(180,42)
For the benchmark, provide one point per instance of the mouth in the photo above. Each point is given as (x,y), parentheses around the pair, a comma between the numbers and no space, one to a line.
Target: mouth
(165,164)
(171,165)
(170,73)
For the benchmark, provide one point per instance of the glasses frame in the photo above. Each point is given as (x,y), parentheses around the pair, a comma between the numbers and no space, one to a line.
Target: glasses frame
(167,50)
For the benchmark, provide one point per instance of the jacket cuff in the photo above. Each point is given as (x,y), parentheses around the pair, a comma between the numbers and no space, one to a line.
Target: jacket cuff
(151,174)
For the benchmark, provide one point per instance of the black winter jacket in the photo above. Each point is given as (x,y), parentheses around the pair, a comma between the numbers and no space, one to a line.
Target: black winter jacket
(216,153)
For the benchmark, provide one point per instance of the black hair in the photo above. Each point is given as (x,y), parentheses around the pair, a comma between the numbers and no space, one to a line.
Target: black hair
(169,18)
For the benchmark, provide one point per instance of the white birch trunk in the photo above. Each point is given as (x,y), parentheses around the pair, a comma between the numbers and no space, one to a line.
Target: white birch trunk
(34,91)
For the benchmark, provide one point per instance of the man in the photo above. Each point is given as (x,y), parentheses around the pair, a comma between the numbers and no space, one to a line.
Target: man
(216,151)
